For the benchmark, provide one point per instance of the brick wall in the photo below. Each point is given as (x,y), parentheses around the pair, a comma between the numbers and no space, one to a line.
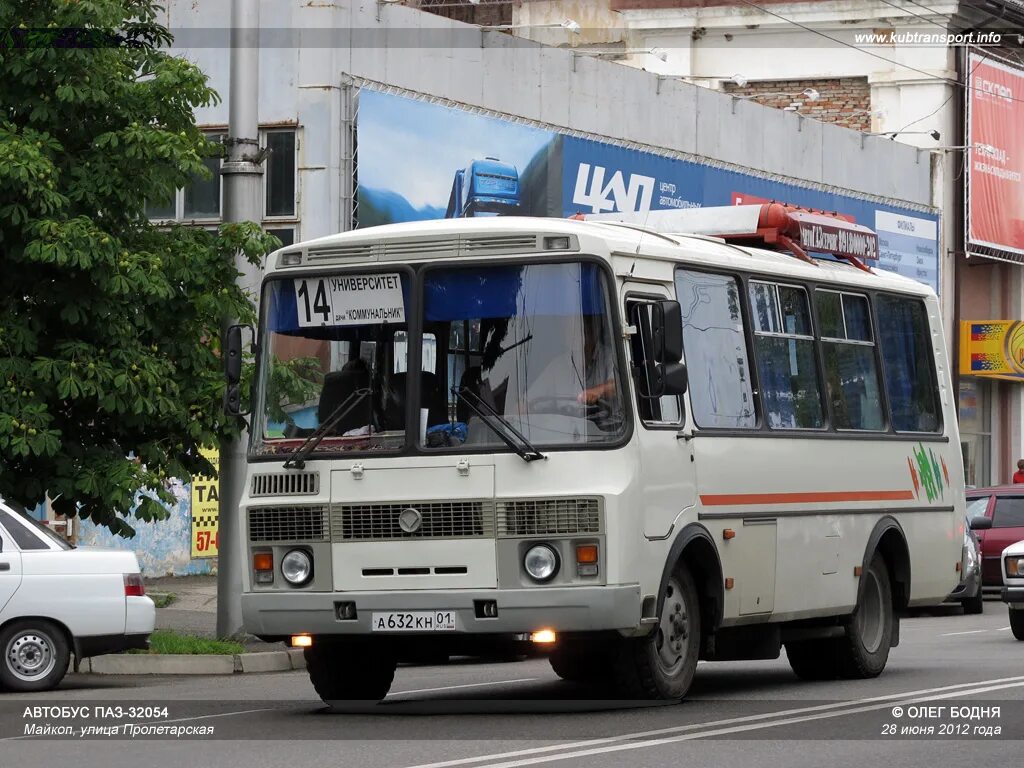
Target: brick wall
(486,14)
(845,101)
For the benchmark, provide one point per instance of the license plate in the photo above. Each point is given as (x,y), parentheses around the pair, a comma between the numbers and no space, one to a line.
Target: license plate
(415,621)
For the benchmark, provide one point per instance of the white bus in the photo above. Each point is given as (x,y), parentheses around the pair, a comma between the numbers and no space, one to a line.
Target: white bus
(637,449)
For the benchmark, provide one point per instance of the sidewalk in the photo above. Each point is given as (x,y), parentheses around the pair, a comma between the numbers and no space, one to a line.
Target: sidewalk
(194,609)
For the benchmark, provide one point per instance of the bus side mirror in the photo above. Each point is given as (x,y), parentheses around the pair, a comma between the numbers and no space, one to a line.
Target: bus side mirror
(980,523)
(232,353)
(667,331)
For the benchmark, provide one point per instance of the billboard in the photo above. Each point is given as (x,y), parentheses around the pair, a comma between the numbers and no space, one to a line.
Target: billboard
(992,348)
(419,160)
(995,177)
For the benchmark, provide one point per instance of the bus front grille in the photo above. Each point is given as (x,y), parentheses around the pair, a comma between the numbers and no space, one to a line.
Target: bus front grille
(458,519)
(285,484)
(547,517)
(293,523)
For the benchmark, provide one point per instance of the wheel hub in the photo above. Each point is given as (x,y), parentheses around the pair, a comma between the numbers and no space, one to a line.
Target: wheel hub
(673,630)
(30,656)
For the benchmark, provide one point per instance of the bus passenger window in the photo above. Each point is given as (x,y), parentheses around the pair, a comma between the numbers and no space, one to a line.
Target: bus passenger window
(662,410)
(786,363)
(906,347)
(715,351)
(851,372)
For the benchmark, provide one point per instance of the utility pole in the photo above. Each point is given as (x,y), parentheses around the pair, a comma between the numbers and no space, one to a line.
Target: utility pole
(242,174)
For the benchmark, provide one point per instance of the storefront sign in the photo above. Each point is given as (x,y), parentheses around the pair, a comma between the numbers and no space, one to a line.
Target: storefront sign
(992,348)
(995,179)
(206,511)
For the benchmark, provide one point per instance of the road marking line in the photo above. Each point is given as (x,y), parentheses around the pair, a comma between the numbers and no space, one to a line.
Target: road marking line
(465,685)
(165,722)
(970,632)
(955,689)
(739,728)
(1003,629)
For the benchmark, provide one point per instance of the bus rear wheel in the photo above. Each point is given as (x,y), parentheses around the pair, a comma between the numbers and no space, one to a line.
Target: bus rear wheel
(661,665)
(863,650)
(348,671)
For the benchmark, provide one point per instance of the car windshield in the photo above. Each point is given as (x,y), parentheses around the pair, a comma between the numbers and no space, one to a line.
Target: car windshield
(531,344)
(334,357)
(41,529)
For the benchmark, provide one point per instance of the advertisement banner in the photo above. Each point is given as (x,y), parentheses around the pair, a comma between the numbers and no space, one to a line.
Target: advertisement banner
(992,348)
(206,511)
(995,178)
(421,161)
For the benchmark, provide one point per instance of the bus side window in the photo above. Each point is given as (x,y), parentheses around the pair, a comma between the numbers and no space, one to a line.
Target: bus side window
(909,369)
(667,410)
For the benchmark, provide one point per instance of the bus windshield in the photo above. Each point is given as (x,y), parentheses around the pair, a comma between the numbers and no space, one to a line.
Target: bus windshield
(334,358)
(530,345)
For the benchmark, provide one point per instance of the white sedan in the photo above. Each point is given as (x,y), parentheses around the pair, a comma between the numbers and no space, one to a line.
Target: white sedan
(1013,586)
(56,600)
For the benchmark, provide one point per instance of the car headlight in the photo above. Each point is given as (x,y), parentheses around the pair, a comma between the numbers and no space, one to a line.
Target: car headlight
(1015,566)
(541,562)
(970,555)
(297,567)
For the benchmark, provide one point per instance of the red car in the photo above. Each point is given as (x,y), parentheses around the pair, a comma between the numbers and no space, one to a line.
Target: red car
(1003,506)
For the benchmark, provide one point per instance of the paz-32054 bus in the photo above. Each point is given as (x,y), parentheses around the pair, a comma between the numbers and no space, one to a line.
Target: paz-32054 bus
(641,449)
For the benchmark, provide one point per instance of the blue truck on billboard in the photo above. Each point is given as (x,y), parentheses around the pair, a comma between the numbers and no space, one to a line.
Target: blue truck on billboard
(487,187)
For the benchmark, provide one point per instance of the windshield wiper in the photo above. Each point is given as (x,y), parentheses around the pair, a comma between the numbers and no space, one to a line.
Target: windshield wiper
(491,418)
(300,454)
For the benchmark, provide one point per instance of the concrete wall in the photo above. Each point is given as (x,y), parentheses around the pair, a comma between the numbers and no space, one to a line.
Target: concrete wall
(164,548)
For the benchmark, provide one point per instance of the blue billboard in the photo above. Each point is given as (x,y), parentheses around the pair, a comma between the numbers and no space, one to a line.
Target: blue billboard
(419,160)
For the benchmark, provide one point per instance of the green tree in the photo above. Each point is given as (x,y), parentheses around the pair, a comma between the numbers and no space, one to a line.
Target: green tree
(109,326)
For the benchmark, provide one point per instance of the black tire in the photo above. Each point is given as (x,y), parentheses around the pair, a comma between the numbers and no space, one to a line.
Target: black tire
(582,662)
(35,655)
(813,659)
(1017,623)
(661,665)
(345,672)
(975,604)
(864,649)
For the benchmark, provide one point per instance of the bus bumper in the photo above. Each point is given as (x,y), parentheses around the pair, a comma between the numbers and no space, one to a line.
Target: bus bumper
(579,609)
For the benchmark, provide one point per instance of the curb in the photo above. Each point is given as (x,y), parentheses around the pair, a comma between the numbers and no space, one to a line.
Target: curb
(194,664)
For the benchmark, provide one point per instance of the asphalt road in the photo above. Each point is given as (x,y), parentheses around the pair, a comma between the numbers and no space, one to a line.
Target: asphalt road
(478,715)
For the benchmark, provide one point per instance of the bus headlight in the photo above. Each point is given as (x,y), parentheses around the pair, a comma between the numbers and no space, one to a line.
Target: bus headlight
(541,562)
(297,567)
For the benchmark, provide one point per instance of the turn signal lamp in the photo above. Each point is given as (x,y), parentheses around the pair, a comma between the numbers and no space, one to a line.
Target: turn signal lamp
(543,636)
(1015,566)
(586,559)
(302,641)
(263,564)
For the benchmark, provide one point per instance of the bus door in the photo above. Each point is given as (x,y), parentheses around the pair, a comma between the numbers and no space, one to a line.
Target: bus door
(667,472)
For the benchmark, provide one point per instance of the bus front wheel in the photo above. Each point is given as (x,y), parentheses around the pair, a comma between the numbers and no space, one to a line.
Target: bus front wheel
(350,671)
(661,664)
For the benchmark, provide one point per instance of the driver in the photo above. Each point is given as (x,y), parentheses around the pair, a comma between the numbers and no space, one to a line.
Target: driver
(598,364)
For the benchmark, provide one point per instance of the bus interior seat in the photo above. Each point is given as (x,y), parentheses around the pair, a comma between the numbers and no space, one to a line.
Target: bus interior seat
(338,385)
(430,397)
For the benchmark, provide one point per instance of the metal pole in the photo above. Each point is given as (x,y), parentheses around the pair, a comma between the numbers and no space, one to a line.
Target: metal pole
(243,201)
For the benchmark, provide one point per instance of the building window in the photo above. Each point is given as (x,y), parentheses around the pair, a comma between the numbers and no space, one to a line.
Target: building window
(786,364)
(715,350)
(848,358)
(976,431)
(285,234)
(202,199)
(279,178)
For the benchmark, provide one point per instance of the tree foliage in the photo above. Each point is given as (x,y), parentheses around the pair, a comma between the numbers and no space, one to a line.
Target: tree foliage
(110,378)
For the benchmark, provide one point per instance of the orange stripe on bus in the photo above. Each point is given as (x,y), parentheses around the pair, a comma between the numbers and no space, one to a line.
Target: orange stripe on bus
(733,499)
